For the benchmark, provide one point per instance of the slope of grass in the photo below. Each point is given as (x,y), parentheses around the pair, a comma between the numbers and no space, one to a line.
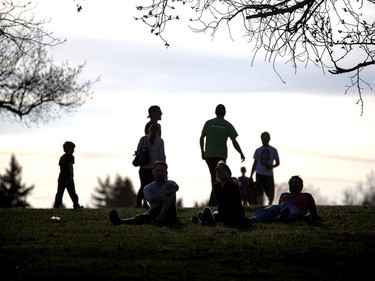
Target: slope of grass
(84,245)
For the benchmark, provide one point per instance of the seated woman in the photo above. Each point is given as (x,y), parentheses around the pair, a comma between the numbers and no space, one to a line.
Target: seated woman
(229,207)
(292,205)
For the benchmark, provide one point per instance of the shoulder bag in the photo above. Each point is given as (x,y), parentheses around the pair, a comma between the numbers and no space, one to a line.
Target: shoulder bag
(142,156)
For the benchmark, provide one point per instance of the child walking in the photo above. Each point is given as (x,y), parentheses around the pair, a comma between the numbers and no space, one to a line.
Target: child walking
(66,177)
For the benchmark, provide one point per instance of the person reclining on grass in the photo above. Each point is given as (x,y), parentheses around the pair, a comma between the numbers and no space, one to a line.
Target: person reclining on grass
(292,206)
(161,196)
(227,195)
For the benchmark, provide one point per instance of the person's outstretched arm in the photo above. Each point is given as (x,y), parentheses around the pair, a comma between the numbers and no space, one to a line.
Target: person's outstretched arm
(236,145)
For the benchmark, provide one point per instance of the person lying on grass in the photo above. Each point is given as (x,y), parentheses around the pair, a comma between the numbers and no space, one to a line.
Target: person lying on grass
(293,205)
(161,196)
(229,207)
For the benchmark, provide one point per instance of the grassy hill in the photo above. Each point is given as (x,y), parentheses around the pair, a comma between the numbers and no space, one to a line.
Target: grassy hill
(84,245)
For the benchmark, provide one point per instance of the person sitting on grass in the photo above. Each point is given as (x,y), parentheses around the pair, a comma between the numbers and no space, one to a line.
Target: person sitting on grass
(161,196)
(293,205)
(229,207)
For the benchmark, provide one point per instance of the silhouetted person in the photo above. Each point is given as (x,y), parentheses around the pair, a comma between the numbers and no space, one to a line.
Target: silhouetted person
(266,158)
(229,207)
(292,206)
(244,186)
(161,195)
(213,143)
(157,153)
(154,113)
(66,177)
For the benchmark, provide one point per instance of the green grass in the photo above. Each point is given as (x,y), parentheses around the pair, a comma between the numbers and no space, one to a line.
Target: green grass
(84,245)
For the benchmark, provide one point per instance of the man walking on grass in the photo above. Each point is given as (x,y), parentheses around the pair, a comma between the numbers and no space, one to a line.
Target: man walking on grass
(213,144)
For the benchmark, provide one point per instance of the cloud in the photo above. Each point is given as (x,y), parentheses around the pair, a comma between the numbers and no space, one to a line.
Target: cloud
(337,157)
(137,66)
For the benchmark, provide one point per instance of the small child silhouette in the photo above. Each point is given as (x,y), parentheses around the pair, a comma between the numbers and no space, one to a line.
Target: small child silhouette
(66,177)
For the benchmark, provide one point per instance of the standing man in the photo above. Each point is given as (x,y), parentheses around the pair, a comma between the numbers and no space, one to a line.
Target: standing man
(154,113)
(213,144)
(266,158)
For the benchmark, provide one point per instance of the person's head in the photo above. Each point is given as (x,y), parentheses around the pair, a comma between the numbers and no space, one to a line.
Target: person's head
(220,111)
(155,129)
(68,146)
(160,171)
(243,170)
(154,113)
(265,137)
(222,167)
(295,184)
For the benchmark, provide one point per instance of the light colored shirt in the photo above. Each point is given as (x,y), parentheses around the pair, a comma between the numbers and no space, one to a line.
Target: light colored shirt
(265,156)
(154,188)
(156,151)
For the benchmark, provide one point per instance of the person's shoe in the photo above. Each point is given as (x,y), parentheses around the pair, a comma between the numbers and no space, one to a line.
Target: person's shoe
(78,207)
(194,220)
(200,217)
(208,217)
(314,220)
(114,218)
(157,223)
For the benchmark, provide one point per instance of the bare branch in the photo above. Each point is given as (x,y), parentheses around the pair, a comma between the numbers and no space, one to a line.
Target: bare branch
(17,24)
(335,35)
(32,88)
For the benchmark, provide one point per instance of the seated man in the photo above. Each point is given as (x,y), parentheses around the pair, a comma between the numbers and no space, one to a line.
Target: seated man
(161,196)
(292,206)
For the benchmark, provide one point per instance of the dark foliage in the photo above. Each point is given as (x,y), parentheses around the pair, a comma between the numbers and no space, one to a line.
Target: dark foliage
(13,193)
(119,194)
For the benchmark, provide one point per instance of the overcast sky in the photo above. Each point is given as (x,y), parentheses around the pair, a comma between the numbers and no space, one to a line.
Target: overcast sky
(317,129)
